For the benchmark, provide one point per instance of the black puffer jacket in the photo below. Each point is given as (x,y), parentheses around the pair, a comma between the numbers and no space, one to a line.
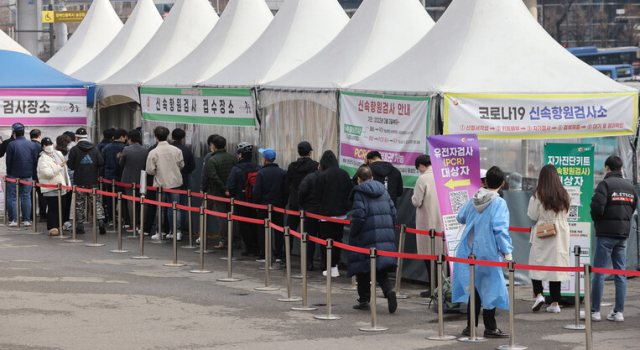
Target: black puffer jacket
(307,195)
(85,160)
(612,206)
(333,187)
(385,172)
(295,173)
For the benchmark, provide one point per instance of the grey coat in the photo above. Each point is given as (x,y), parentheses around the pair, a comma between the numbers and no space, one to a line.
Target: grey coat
(132,161)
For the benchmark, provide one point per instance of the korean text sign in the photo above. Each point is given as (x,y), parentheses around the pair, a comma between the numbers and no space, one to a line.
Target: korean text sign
(456,168)
(540,116)
(43,107)
(396,126)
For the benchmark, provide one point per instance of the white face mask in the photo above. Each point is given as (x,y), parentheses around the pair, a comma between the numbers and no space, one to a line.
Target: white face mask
(48,149)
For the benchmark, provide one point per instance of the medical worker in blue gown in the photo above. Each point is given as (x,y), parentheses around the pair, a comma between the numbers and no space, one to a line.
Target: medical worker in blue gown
(485,235)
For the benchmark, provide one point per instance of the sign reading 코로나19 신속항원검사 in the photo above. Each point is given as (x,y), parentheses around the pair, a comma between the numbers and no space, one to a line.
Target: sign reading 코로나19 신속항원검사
(540,116)
(43,107)
(395,126)
(234,107)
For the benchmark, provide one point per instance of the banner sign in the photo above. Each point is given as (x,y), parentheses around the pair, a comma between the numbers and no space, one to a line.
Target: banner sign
(43,107)
(575,167)
(456,168)
(63,16)
(234,107)
(540,116)
(395,126)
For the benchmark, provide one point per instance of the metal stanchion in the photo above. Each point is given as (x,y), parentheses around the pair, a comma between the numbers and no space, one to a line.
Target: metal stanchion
(60,223)
(287,246)
(230,237)
(203,229)
(512,336)
(303,216)
(133,212)
(432,264)
(587,302)
(268,247)
(113,204)
(119,250)
(73,220)
(267,260)
(353,286)
(34,222)
(374,327)
(190,246)
(472,306)
(303,264)
(440,335)
(403,232)
(141,256)
(329,316)
(95,223)
(229,252)
(160,239)
(577,326)
(174,212)
(201,270)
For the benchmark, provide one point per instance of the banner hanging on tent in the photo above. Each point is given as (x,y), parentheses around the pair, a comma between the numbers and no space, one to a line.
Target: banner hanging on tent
(234,107)
(43,107)
(540,116)
(395,126)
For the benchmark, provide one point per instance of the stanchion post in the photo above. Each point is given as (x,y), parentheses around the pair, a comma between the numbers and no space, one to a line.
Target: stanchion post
(174,213)
(190,246)
(141,256)
(73,220)
(229,250)
(60,223)
(303,263)
(113,203)
(374,326)
(267,259)
(18,222)
(34,206)
(201,270)
(287,245)
(512,331)
(403,232)
(95,221)
(303,216)
(432,264)
(441,335)
(587,302)
(472,305)
(577,326)
(268,252)
(203,228)
(329,316)
(133,211)
(119,204)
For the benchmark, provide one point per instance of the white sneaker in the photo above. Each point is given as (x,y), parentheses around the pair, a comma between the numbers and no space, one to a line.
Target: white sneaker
(334,272)
(615,316)
(595,316)
(66,226)
(13,224)
(538,303)
(26,224)
(127,226)
(278,260)
(198,240)
(179,238)
(169,235)
(146,233)
(155,237)
(554,309)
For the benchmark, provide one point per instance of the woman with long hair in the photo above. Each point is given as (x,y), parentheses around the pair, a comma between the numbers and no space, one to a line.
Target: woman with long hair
(549,204)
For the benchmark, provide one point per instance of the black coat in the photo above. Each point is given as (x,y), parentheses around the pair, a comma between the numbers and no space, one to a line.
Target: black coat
(85,160)
(271,186)
(307,195)
(189,164)
(297,171)
(333,187)
(612,206)
(237,182)
(386,172)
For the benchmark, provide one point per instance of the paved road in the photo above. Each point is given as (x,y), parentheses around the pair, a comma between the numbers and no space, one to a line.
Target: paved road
(57,295)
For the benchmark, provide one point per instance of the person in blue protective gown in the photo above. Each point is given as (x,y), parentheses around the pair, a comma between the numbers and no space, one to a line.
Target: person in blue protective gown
(486,236)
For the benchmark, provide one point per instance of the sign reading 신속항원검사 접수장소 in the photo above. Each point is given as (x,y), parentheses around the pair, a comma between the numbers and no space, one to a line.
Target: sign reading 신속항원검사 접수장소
(232,107)
(456,168)
(540,116)
(43,107)
(395,126)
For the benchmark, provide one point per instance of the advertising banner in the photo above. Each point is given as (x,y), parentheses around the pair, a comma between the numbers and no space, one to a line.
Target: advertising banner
(234,107)
(43,107)
(540,116)
(575,167)
(395,126)
(456,168)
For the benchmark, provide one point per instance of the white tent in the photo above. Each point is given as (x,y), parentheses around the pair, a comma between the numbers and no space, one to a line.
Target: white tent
(182,31)
(379,32)
(299,30)
(8,44)
(242,22)
(96,31)
(139,29)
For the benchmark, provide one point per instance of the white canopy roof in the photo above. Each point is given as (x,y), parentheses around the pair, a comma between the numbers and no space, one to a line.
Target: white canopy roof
(242,22)
(182,31)
(379,32)
(488,46)
(139,29)
(96,31)
(299,30)
(8,44)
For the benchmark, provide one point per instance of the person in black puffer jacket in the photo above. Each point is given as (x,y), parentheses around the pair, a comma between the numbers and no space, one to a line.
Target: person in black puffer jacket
(310,202)
(372,226)
(385,173)
(296,172)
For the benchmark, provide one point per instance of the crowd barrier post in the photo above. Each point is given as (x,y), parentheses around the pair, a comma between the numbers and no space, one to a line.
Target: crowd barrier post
(100,179)
(174,212)
(445,252)
(73,220)
(270,237)
(34,206)
(329,316)
(577,326)
(441,335)
(119,204)
(190,246)
(432,264)
(141,256)
(472,306)
(60,223)
(374,326)
(203,236)
(303,263)
(95,220)
(587,303)
(230,257)
(353,287)
(230,231)
(201,269)
(267,258)
(512,331)
(302,220)
(4,189)
(403,232)
(133,213)
(160,239)
(287,246)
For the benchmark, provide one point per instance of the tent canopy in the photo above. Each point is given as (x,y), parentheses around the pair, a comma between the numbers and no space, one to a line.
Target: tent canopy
(299,30)
(488,46)
(6,43)
(29,72)
(379,32)
(139,29)
(96,31)
(242,22)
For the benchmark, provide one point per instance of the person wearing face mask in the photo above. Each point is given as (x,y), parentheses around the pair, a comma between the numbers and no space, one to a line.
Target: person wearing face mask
(52,170)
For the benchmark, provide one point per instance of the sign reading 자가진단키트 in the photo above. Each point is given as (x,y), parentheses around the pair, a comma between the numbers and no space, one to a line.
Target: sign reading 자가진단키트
(43,107)
(395,126)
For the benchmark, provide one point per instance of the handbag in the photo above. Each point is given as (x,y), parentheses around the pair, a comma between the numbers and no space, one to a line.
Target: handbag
(548,230)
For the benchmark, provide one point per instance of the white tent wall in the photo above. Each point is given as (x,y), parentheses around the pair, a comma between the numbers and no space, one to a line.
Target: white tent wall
(122,116)
(8,44)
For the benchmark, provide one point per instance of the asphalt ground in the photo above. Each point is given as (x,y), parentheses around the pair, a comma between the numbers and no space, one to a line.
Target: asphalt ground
(58,295)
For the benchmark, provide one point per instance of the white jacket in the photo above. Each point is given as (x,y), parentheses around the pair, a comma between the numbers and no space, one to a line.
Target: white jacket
(51,173)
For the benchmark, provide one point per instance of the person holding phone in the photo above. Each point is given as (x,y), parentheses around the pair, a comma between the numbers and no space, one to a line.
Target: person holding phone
(52,170)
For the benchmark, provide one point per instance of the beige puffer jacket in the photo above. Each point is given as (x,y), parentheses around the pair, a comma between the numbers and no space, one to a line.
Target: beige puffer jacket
(51,173)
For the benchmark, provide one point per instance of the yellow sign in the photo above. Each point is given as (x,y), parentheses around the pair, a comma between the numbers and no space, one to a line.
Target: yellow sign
(62,16)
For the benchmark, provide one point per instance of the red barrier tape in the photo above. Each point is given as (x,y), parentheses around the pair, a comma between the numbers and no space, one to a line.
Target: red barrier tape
(476,262)
(249,220)
(197,194)
(8,179)
(108,182)
(547,268)
(348,247)
(325,218)
(276,227)
(184,207)
(108,194)
(68,188)
(135,199)
(120,184)
(169,190)
(318,240)
(251,205)
(83,190)
(420,232)
(26,182)
(47,186)
(219,199)
(162,204)
(299,235)
(149,188)
(407,255)
(215,213)
(615,272)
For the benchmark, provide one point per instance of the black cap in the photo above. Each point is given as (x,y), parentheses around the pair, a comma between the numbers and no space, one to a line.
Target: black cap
(81,132)
(178,134)
(46,141)
(304,147)
(70,134)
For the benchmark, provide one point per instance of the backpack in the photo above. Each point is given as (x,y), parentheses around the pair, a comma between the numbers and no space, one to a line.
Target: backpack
(448,306)
(250,174)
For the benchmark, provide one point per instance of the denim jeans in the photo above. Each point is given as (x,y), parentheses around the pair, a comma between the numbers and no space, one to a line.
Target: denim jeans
(614,248)
(25,200)
(170,198)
